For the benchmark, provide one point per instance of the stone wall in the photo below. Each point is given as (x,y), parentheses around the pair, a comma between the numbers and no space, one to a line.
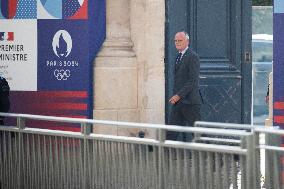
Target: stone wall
(129,70)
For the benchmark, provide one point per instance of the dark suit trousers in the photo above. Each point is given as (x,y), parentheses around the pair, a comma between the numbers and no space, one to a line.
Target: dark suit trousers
(183,115)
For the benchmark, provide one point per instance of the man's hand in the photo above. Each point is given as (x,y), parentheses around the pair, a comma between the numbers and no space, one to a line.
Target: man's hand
(174,99)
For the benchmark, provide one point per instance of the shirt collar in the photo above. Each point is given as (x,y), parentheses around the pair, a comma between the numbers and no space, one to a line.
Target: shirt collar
(182,52)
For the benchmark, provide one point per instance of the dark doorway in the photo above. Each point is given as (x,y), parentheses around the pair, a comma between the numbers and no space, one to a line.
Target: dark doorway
(220,33)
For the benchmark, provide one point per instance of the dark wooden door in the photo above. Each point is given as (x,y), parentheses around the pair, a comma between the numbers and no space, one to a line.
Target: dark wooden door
(220,32)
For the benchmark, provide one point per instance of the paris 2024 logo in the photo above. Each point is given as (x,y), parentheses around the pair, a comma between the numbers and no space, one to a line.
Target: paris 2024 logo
(62,47)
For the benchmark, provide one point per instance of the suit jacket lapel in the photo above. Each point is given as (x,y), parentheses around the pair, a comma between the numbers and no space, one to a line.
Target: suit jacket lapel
(177,66)
(185,55)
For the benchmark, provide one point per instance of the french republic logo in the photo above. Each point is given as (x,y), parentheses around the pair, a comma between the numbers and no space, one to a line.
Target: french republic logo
(6,36)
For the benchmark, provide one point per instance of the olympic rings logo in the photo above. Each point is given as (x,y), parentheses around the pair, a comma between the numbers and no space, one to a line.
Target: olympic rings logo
(62,74)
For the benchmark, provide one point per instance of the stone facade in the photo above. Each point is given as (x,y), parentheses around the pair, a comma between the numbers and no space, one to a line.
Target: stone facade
(129,80)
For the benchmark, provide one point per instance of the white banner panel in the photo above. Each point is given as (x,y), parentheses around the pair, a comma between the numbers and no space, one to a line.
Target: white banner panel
(18,54)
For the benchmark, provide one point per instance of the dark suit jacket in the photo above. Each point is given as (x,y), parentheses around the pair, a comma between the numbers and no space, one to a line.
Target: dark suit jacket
(186,78)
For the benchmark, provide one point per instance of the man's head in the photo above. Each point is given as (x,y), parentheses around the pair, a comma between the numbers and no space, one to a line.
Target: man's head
(181,41)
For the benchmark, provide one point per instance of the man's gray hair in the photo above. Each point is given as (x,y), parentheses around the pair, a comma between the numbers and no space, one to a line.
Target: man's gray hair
(186,35)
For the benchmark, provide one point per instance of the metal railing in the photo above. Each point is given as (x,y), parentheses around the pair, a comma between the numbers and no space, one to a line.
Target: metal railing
(42,158)
(273,154)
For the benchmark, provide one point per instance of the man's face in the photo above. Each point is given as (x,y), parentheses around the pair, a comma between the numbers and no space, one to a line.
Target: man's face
(181,41)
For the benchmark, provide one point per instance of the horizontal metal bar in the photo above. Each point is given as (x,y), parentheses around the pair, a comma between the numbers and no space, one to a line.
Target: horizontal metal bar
(220,140)
(135,140)
(126,139)
(270,130)
(206,147)
(274,148)
(172,144)
(213,131)
(47,118)
(224,125)
(42,131)
(9,128)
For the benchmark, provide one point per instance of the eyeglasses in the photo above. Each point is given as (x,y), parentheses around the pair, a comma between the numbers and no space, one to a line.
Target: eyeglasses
(178,41)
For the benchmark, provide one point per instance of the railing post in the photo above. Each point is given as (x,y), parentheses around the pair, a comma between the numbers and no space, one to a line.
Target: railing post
(257,159)
(272,162)
(161,138)
(21,126)
(251,163)
(21,122)
(86,131)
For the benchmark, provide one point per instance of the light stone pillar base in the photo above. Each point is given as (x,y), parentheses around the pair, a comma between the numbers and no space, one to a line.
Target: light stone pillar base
(116,92)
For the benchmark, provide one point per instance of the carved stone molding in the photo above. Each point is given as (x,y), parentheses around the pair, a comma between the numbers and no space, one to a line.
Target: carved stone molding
(118,41)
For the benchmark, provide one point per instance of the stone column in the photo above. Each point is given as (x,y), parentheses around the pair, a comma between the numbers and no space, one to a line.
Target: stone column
(118,42)
(147,34)
(115,71)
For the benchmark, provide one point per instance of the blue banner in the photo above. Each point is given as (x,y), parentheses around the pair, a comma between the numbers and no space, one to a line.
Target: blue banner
(278,63)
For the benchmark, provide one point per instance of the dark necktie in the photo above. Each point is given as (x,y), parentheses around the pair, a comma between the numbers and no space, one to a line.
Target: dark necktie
(178,58)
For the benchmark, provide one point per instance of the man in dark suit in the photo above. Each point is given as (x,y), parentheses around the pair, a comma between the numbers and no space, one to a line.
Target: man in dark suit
(186,100)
